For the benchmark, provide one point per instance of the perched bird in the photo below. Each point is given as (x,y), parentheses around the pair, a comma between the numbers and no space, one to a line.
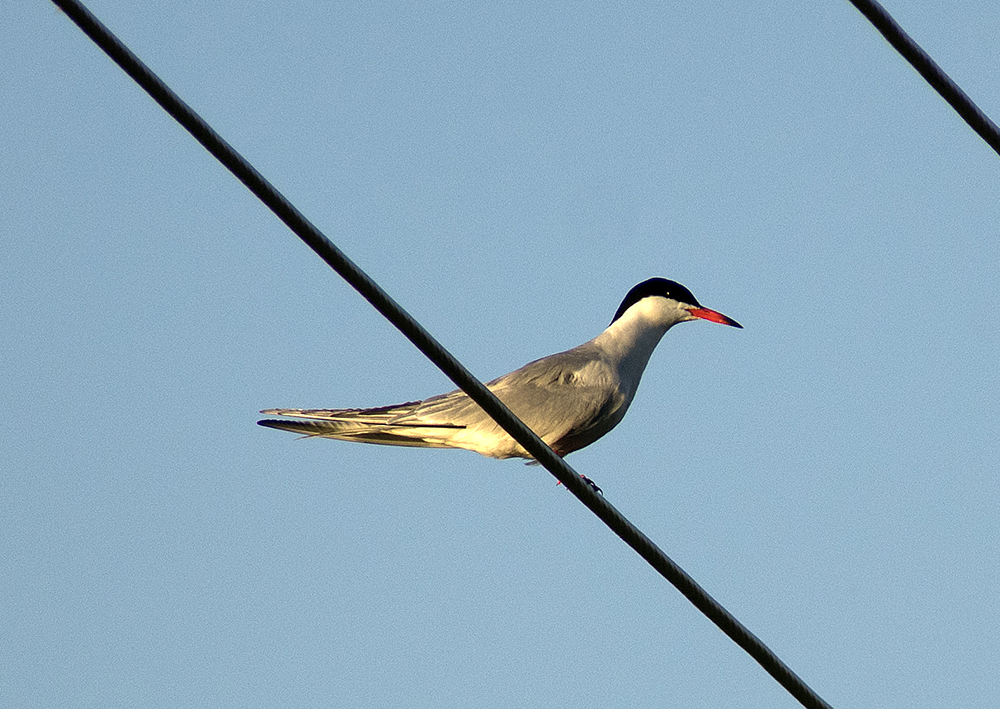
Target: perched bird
(569,399)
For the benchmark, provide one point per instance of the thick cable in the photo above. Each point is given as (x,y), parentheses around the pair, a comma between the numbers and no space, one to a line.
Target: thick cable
(932,73)
(447,363)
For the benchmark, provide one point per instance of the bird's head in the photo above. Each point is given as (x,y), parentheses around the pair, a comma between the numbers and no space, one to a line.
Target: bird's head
(669,303)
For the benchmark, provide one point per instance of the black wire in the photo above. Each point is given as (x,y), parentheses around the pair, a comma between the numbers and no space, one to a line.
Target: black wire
(238,165)
(931,72)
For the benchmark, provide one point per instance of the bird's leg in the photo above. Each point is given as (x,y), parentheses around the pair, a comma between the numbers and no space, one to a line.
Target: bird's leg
(593,485)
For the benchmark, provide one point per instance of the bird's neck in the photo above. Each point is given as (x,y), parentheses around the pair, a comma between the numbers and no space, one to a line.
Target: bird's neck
(630,341)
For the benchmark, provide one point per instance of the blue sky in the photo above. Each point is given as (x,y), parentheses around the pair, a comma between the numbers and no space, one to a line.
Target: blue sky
(506,172)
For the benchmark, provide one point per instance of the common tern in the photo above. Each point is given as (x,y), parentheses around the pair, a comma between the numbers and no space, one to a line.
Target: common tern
(569,399)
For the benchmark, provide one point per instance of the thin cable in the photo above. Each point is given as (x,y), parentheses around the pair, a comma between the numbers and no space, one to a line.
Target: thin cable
(339,262)
(932,73)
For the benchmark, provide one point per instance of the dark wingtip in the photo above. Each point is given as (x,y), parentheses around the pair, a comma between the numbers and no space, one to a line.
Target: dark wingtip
(284,425)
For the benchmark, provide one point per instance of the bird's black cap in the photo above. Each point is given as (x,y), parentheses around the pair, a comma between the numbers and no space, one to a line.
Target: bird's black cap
(656,286)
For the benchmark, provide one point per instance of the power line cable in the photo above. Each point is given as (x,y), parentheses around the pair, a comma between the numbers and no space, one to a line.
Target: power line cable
(932,73)
(337,260)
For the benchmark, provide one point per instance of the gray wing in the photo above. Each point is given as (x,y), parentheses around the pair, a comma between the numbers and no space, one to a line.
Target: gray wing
(569,399)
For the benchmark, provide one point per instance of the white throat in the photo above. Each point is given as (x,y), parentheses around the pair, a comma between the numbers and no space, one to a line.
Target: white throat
(630,340)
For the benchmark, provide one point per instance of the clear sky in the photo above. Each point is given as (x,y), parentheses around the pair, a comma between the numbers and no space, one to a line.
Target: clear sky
(506,171)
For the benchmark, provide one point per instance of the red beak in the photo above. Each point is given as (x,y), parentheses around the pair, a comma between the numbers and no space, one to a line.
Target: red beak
(713,316)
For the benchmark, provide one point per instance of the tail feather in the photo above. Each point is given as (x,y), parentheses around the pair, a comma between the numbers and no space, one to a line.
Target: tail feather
(379,414)
(383,425)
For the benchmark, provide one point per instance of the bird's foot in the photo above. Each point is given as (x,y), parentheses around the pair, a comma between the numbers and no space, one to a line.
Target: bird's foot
(593,485)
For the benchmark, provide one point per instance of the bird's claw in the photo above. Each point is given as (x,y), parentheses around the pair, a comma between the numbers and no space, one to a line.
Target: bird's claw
(593,485)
